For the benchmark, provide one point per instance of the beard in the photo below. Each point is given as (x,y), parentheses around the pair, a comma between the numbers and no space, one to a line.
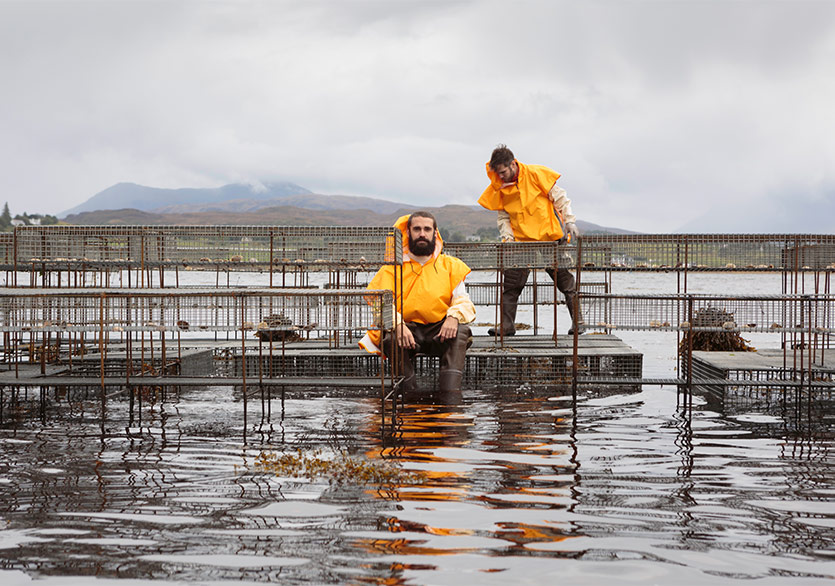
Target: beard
(421,247)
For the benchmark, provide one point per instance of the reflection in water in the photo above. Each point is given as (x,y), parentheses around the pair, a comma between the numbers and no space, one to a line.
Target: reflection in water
(512,486)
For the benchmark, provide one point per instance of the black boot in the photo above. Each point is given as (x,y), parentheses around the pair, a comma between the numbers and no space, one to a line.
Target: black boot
(450,380)
(576,320)
(513,282)
(453,361)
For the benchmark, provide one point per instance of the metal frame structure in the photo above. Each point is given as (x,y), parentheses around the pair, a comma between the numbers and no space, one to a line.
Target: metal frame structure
(149,260)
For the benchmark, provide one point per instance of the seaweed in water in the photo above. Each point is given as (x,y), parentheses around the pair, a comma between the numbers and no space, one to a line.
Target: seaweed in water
(341,469)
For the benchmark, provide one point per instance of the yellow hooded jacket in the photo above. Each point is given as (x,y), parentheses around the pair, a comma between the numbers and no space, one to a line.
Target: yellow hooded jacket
(427,289)
(532,215)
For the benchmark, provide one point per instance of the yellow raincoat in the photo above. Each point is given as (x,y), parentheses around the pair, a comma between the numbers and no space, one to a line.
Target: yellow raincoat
(532,215)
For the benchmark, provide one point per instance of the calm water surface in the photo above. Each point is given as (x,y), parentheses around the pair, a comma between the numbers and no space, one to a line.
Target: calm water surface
(516,486)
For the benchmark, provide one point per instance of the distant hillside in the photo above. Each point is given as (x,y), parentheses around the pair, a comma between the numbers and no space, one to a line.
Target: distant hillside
(140,197)
(307,200)
(464,220)
(277,204)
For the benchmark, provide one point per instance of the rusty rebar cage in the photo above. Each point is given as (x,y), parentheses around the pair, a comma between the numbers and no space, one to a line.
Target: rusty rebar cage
(659,252)
(534,293)
(700,312)
(313,247)
(350,254)
(38,248)
(193,310)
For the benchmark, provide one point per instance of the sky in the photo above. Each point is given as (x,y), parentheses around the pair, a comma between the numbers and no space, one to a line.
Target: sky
(658,114)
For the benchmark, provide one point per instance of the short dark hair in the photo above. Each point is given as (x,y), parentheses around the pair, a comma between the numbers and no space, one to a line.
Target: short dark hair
(422,214)
(501,156)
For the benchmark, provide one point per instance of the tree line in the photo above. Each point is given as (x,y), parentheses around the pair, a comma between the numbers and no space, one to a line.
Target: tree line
(6,219)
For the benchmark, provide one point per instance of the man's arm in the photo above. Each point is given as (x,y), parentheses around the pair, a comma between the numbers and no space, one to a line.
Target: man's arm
(562,205)
(461,307)
(505,229)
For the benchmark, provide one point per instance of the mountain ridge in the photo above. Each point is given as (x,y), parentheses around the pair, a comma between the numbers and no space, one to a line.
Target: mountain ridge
(464,220)
(273,204)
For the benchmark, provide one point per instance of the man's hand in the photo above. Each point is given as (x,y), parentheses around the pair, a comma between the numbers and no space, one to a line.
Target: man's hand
(449,329)
(571,228)
(405,339)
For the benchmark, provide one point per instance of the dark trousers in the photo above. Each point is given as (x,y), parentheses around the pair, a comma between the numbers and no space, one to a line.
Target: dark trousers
(453,354)
(514,283)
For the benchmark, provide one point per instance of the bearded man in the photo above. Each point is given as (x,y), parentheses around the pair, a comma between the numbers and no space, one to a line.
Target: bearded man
(435,305)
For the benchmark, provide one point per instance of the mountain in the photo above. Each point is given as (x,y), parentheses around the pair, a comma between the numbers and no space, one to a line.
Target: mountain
(141,197)
(465,220)
(278,204)
(308,200)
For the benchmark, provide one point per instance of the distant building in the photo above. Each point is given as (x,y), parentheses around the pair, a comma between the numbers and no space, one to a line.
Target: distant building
(16,223)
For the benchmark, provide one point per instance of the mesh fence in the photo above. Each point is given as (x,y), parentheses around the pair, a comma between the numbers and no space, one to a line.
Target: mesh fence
(321,247)
(534,293)
(775,313)
(242,246)
(648,252)
(184,310)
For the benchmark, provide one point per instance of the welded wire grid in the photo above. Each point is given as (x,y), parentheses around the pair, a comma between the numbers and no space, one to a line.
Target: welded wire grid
(194,310)
(714,252)
(309,246)
(493,255)
(6,248)
(766,389)
(540,367)
(33,247)
(533,293)
(775,313)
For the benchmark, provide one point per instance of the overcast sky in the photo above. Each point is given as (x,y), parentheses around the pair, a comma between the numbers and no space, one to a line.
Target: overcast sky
(654,112)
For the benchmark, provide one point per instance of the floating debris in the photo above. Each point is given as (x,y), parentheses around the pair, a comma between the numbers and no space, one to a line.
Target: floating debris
(339,469)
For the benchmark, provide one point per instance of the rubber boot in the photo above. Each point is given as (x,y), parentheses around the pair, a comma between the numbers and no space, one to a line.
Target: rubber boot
(450,380)
(453,361)
(576,321)
(513,282)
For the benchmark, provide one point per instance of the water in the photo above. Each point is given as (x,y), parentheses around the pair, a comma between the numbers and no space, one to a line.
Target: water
(495,487)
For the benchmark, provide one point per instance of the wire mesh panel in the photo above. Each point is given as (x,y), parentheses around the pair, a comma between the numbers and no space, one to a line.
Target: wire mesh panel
(321,247)
(496,255)
(311,246)
(714,252)
(6,248)
(194,310)
(533,293)
(775,313)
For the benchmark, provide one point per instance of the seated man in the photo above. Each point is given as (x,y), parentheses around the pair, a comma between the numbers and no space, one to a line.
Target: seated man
(435,305)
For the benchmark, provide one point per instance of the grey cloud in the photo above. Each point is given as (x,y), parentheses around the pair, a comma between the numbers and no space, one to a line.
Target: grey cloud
(645,107)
